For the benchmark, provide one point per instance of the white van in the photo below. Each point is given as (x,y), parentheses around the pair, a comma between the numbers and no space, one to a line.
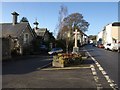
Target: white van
(108,46)
(112,46)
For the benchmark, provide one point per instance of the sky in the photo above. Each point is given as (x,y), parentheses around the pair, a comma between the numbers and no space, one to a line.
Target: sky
(98,14)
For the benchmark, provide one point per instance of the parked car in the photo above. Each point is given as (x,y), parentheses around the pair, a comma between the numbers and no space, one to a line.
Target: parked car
(94,44)
(112,46)
(119,46)
(107,46)
(100,46)
(119,50)
(55,51)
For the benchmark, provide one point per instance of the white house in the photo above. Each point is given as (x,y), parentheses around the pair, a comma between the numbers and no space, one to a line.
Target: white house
(100,37)
(110,34)
(83,38)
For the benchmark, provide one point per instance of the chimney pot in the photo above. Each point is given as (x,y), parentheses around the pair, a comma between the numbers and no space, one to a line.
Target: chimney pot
(14,17)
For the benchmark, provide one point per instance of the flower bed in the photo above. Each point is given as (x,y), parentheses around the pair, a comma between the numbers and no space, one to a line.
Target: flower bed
(62,60)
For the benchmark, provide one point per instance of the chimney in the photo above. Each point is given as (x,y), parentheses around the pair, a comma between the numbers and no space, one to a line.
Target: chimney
(14,17)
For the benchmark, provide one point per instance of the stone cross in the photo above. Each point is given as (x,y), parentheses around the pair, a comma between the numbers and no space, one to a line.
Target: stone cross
(76,35)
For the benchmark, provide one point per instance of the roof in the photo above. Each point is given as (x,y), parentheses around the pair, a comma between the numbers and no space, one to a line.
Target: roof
(41,31)
(13,30)
(116,24)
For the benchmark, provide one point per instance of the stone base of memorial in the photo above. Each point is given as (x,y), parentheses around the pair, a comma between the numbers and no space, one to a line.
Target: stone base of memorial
(84,55)
(75,49)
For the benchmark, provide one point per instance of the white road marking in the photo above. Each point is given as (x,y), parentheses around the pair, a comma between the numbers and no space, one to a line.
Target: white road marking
(111,82)
(65,68)
(103,72)
(95,77)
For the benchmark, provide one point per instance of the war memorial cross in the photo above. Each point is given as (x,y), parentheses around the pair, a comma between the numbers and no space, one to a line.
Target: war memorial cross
(76,36)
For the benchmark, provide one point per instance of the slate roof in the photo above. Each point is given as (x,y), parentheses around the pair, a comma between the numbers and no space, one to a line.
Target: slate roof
(116,24)
(42,31)
(13,30)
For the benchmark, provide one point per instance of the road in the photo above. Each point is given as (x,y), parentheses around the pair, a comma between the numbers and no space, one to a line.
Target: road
(28,72)
(107,59)
(24,65)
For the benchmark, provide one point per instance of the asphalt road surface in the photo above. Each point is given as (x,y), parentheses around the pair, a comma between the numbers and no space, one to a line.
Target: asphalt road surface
(107,59)
(28,72)
(24,65)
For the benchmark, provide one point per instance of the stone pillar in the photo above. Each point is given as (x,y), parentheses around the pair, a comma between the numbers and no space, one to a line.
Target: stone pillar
(14,17)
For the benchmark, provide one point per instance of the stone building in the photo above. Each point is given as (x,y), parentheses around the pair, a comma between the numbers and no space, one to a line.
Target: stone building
(46,37)
(20,35)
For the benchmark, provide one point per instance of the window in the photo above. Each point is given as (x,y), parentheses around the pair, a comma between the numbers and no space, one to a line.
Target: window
(26,38)
(109,44)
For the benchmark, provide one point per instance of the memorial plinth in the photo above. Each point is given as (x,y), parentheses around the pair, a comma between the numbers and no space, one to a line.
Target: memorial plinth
(75,49)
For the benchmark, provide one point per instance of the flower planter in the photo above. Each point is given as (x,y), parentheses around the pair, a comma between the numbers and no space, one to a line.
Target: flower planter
(62,60)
